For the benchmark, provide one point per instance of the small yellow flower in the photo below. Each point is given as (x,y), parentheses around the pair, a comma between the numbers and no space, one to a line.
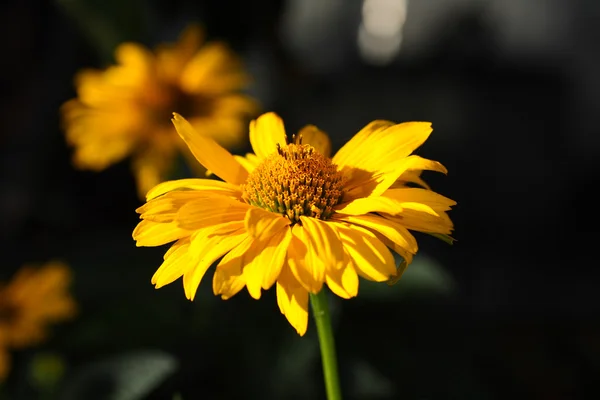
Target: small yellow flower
(126,109)
(291,215)
(32,300)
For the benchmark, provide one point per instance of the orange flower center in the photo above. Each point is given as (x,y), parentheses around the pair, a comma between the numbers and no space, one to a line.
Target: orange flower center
(296,180)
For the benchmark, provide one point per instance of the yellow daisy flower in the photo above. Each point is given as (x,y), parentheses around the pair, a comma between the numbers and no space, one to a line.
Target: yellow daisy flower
(291,215)
(126,109)
(33,299)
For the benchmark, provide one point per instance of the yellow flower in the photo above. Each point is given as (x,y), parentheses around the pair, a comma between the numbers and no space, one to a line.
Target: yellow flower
(126,109)
(291,215)
(32,300)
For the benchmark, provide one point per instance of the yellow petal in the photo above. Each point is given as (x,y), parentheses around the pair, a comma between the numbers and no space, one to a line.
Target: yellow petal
(262,224)
(414,162)
(388,228)
(394,201)
(372,160)
(229,278)
(369,204)
(410,177)
(214,70)
(249,162)
(409,196)
(266,132)
(371,257)
(263,262)
(171,59)
(292,299)
(424,221)
(165,208)
(174,266)
(343,282)
(149,233)
(206,247)
(310,274)
(211,210)
(324,244)
(318,139)
(209,185)
(208,153)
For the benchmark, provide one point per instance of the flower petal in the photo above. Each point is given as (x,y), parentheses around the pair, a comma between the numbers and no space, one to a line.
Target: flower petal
(324,244)
(395,201)
(165,208)
(250,161)
(206,247)
(264,260)
(213,70)
(211,210)
(175,265)
(149,233)
(372,160)
(229,278)
(292,299)
(310,274)
(210,154)
(366,205)
(209,185)
(262,224)
(371,257)
(343,282)
(410,177)
(388,228)
(318,139)
(266,132)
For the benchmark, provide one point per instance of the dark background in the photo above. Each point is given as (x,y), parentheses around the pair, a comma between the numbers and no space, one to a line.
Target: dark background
(508,311)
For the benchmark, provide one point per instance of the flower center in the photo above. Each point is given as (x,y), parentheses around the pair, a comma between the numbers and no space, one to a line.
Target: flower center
(295,181)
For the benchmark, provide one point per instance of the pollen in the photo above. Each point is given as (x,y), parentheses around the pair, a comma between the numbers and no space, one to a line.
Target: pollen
(294,181)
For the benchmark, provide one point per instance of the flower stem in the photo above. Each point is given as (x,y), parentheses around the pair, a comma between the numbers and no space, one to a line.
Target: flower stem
(327,344)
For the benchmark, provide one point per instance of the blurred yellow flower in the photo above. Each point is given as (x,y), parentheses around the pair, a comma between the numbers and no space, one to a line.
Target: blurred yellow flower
(33,299)
(126,109)
(291,215)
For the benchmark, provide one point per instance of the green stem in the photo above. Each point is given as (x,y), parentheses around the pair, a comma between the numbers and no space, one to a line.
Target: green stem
(327,344)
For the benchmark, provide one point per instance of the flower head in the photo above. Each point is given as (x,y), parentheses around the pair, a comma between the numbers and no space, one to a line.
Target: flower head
(292,216)
(126,109)
(32,300)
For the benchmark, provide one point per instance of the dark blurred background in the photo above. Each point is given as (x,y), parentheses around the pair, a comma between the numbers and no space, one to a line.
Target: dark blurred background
(508,311)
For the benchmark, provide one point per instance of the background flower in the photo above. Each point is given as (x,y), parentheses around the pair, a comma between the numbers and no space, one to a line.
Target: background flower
(33,299)
(125,109)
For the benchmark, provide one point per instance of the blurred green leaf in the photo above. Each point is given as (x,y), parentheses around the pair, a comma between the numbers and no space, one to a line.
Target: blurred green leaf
(106,23)
(293,369)
(424,277)
(46,370)
(130,376)
(368,383)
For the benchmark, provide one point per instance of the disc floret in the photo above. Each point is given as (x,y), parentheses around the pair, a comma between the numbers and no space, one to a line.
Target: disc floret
(294,181)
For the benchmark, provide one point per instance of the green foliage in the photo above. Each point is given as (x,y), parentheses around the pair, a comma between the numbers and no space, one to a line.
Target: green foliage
(424,277)
(106,23)
(129,376)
